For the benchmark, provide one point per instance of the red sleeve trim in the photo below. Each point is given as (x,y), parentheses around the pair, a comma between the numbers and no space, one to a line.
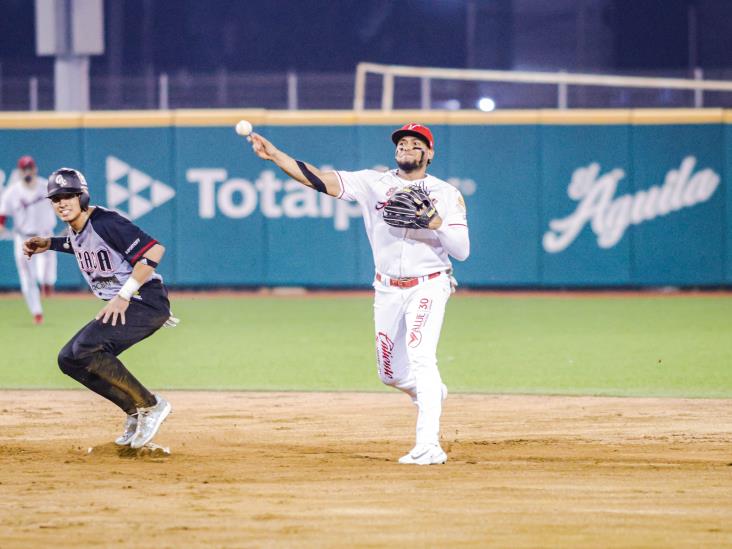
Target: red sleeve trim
(145,248)
(2,219)
(340,182)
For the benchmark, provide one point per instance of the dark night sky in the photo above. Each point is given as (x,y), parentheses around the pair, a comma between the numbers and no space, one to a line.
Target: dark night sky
(278,35)
(334,35)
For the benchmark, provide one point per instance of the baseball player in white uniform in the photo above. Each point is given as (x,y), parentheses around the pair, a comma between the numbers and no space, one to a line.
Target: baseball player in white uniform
(24,200)
(412,281)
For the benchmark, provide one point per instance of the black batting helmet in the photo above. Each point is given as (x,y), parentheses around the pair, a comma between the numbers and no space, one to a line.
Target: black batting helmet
(69,181)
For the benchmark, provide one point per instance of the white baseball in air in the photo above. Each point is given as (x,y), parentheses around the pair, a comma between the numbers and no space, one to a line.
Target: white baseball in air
(244,127)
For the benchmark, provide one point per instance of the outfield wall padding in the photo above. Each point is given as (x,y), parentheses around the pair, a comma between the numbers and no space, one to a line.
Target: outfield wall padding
(555,199)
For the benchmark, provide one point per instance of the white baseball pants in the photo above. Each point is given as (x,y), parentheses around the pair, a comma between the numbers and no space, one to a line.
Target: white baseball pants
(407,324)
(40,269)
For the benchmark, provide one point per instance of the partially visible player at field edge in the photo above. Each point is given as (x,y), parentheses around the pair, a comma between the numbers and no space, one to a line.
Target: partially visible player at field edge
(413,270)
(24,201)
(118,261)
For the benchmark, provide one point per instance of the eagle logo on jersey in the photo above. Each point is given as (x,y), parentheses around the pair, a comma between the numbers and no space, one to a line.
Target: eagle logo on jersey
(391,191)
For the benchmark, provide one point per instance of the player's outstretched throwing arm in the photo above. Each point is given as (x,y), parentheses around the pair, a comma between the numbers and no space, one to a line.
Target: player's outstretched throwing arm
(307,174)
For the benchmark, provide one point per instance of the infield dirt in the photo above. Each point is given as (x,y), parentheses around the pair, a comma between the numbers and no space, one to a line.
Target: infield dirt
(319,469)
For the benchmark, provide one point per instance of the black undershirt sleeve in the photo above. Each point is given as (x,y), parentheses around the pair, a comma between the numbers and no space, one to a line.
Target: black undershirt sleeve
(57,245)
(314,180)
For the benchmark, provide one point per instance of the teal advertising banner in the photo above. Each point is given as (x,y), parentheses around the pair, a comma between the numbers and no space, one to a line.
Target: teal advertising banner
(582,169)
(497,170)
(551,202)
(681,239)
(727,225)
(51,149)
(132,170)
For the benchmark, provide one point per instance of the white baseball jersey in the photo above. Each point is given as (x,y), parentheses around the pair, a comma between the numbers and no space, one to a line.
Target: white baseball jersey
(31,211)
(408,252)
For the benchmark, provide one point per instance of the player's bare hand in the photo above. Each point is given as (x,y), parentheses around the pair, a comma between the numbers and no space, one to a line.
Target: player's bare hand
(262,147)
(113,310)
(36,245)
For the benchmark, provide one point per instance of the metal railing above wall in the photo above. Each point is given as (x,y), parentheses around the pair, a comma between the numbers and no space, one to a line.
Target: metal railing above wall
(383,87)
(184,90)
(562,80)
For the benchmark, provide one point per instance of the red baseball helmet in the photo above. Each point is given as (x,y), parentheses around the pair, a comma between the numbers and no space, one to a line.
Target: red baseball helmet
(26,162)
(416,130)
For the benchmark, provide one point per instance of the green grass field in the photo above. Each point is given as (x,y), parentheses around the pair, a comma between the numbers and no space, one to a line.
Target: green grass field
(664,346)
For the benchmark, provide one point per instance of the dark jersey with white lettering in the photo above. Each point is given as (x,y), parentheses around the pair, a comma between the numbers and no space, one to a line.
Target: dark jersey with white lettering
(106,250)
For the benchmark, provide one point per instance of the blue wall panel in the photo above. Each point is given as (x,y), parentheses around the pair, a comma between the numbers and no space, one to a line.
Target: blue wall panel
(131,171)
(228,218)
(725,190)
(497,169)
(219,233)
(592,164)
(686,245)
(51,149)
(313,240)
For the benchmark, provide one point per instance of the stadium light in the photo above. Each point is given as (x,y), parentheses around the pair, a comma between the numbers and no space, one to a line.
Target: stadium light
(486,104)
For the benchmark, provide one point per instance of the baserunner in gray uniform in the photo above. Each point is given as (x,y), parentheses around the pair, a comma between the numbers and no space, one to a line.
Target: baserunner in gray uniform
(118,261)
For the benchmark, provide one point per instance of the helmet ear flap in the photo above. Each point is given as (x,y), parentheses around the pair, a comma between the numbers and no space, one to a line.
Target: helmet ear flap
(84,196)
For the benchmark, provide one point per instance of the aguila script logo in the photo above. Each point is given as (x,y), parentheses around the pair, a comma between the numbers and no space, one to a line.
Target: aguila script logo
(609,216)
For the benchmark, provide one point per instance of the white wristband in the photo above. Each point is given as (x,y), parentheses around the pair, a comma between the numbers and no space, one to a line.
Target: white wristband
(129,288)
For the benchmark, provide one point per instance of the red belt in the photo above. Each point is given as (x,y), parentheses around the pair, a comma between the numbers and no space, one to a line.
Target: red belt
(409,282)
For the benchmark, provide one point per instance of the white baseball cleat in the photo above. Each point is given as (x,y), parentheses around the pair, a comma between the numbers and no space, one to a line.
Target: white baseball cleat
(149,421)
(129,431)
(425,454)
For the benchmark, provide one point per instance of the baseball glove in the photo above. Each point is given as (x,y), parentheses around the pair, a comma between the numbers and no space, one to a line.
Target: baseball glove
(410,208)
